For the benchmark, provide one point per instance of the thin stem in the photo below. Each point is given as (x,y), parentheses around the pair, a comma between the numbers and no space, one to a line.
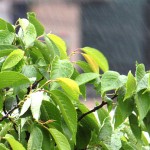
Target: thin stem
(46,83)
(9,112)
(114,96)
(91,111)
(95,108)
(34,85)
(76,51)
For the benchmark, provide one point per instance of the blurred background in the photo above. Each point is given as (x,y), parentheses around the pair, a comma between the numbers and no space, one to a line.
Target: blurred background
(118,28)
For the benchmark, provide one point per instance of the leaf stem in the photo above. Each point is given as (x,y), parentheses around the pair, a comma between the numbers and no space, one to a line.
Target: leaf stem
(46,83)
(76,51)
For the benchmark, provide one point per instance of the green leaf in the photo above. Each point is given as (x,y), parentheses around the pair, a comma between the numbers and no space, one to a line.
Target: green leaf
(135,127)
(12,79)
(10,102)
(83,90)
(6,37)
(119,117)
(84,66)
(130,86)
(145,139)
(18,67)
(7,47)
(90,120)
(43,71)
(35,140)
(29,71)
(131,138)
(25,106)
(75,74)
(35,54)
(140,72)
(60,68)
(86,77)
(28,32)
(50,112)
(127,146)
(15,145)
(67,109)
(2,98)
(12,59)
(61,45)
(112,80)
(147,122)
(60,139)
(70,87)
(92,63)
(115,143)
(99,58)
(36,101)
(102,114)
(3,147)
(106,131)
(6,128)
(6,50)
(82,140)
(123,109)
(143,83)
(53,49)
(4,25)
(47,143)
(143,104)
(38,26)
(43,49)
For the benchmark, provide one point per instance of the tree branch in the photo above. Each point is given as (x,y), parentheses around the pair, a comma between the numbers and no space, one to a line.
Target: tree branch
(114,96)
(91,111)
(34,85)
(9,112)
(95,108)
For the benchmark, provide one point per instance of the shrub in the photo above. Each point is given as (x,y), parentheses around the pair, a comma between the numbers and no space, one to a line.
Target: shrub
(40,92)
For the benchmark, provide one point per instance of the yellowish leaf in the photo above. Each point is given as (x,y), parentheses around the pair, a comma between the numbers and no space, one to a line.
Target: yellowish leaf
(93,65)
(70,87)
(98,57)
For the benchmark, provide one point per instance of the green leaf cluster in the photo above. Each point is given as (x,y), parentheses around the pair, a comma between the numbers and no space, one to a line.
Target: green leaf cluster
(41,91)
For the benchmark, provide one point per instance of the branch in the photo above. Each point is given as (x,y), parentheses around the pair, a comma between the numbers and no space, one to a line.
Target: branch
(34,85)
(95,108)
(9,112)
(91,111)
(114,96)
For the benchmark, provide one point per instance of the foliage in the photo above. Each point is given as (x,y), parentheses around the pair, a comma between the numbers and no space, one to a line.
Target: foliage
(41,89)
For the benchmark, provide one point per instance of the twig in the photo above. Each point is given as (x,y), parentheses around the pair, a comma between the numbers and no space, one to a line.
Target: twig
(91,111)
(17,98)
(114,96)
(9,112)
(34,85)
(95,108)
